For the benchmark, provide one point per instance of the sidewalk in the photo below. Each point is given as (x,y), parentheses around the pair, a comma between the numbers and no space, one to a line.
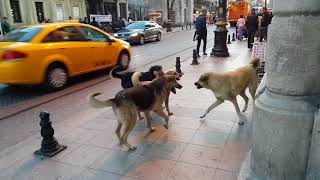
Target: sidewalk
(190,149)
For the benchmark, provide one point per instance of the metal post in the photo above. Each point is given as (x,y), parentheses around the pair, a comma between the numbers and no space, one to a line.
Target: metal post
(220,47)
(178,65)
(49,144)
(195,58)
(229,42)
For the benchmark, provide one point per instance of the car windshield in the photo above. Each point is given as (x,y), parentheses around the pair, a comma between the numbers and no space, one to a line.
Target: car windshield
(136,25)
(21,35)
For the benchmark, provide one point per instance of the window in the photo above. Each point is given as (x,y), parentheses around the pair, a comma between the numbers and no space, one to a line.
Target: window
(65,34)
(123,10)
(76,11)
(15,8)
(59,12)
(93,35)
(21,34)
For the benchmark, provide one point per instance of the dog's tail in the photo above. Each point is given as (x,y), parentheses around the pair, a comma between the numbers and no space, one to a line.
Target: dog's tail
(114,72)
(255,63)
(98,103)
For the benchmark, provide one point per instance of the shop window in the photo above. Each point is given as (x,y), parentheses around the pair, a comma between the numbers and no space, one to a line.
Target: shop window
(15,9)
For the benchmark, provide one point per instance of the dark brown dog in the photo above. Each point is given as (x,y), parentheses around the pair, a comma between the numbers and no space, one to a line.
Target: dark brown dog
(128,102)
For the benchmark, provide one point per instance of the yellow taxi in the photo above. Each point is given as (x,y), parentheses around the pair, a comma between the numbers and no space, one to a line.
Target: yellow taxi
(52,53)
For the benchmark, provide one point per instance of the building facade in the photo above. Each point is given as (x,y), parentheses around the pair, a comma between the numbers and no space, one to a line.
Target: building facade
(116,8)
(178,11)
(24,12)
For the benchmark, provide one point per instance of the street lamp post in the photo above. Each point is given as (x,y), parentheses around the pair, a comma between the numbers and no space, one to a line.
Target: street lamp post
(220,34)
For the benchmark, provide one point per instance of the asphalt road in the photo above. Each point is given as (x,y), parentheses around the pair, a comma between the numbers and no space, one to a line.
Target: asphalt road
(177,44)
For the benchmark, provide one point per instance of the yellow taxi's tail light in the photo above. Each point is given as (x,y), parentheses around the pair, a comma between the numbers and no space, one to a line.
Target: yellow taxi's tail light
(13,56)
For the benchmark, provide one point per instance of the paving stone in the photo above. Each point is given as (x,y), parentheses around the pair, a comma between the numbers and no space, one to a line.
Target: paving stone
(212,139)
(84,156)
(186,171)
(147,168)
(201,155)
(179,134)
(225,175)
(115,161)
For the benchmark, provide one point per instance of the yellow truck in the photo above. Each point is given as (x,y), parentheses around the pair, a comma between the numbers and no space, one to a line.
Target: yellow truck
(235,9)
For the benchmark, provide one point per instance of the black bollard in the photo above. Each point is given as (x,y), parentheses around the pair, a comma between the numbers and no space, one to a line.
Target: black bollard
(229,42)
(169,26)
(195,58)
(178,65)
(233,37)
(49,144)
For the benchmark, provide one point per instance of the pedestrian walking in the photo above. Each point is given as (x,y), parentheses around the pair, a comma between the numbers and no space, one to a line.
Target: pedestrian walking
(252,26)
(5,26)
(241,27)
(265,21)
(201,30)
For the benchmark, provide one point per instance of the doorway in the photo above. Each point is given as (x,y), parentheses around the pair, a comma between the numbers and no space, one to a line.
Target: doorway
(39,11)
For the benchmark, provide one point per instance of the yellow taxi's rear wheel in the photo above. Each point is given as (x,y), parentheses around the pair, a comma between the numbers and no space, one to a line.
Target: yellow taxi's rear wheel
(124,60)
(56,77)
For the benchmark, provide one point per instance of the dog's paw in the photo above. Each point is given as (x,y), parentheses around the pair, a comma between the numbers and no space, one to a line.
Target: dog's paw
(203,116)
(241,123)
(131,148)
(166,126)
(151,130)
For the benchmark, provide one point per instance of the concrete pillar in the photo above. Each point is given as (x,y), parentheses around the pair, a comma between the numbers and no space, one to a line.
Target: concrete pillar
(118,9)
(284,113)
(127,10)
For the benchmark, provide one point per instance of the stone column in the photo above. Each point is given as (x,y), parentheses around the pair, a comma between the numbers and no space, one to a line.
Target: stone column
(118,9)
(284,113)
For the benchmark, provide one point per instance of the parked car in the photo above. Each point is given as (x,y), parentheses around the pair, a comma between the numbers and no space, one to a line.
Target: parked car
(51,53)
(140,32)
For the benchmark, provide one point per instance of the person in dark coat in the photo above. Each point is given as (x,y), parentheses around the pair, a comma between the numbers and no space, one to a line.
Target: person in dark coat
(94,22)
(265,21)
(201,31)
(252,26)
(5,25)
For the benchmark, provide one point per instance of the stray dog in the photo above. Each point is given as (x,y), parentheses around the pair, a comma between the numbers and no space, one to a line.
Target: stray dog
(128,102)
(130,79)
(227,85)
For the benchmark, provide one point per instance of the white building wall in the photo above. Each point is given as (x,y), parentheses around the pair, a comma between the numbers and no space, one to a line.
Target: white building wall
(28,10)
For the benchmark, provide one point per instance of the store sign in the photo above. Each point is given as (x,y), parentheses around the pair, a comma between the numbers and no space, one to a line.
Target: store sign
(101,18)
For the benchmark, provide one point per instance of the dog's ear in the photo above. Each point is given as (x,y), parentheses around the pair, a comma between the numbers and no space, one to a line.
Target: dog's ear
(204,78)
(155,68)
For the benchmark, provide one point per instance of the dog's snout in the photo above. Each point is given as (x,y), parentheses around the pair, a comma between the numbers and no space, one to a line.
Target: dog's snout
(198,85)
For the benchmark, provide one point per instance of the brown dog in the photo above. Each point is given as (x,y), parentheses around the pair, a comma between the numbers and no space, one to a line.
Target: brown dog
(128,102)
(227,85)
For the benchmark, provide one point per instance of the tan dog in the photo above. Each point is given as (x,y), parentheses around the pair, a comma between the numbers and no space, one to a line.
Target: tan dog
(128,102)
(227,85)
